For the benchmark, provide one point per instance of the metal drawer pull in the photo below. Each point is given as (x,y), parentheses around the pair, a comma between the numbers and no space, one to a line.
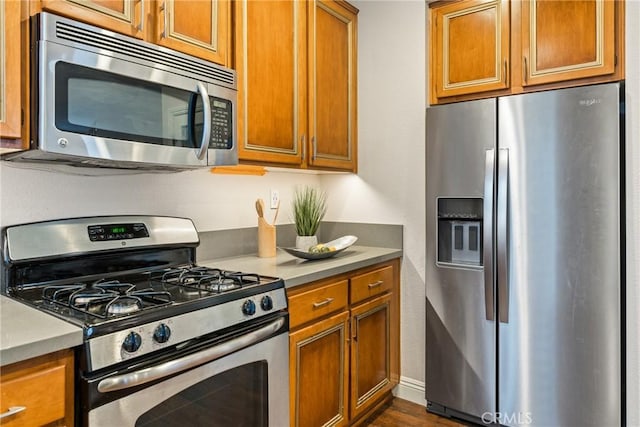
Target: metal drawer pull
(13,410)
(322,303)
(375,284)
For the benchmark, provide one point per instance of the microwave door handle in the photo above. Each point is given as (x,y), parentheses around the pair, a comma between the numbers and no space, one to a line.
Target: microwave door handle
(206,130)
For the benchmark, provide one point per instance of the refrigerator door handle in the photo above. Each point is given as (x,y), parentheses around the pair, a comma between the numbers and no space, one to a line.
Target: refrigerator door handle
(487,239)
(502,238)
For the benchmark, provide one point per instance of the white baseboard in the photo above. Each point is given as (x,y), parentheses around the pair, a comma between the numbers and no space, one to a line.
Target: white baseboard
(411,390)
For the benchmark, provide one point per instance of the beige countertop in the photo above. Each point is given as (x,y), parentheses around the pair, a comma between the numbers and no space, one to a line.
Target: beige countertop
(296,271)
(26,332)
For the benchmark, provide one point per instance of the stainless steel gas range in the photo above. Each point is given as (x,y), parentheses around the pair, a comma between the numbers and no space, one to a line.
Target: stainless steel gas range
(165,341)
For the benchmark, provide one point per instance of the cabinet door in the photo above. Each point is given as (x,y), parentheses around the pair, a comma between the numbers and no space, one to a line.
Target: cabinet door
(318,373)
(10,105)
(470,47)
(370,353)
(199,28)
(564,40)
(122,16)
(271,67)
(332,84)
(43,386)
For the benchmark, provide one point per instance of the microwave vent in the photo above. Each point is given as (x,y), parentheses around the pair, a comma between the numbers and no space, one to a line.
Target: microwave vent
(110,42)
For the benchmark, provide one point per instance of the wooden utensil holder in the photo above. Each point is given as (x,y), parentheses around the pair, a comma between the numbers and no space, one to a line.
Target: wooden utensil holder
(266,239)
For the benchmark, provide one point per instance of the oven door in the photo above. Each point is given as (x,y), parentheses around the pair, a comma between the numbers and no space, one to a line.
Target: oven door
(248,387)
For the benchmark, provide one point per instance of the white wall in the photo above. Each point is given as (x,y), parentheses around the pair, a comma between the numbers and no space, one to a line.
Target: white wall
(390,186)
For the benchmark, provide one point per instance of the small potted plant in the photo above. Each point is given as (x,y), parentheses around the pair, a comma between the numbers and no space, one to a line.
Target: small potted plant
(309,206)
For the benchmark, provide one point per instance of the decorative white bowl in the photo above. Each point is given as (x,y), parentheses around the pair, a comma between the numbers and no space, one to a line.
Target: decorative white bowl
(340,244)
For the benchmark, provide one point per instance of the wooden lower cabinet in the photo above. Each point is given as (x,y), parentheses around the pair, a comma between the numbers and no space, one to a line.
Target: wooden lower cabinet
(344,351)
(370,354)
(319,373)
(43,386)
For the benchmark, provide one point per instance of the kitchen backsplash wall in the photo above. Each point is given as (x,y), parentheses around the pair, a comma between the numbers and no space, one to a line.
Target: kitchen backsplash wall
(214,202)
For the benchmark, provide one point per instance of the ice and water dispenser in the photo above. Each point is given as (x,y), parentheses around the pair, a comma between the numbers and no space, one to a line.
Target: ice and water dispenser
(460,231)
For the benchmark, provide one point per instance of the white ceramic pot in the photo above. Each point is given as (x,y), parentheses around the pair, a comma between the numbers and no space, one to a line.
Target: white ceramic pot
(303,243)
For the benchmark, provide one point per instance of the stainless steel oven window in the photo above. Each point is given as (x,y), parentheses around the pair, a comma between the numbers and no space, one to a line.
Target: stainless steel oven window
(133,410)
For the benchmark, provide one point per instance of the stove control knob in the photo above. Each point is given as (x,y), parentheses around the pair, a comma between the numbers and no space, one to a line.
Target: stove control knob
(132,342)
(249,307)
(266,303)
(162,333)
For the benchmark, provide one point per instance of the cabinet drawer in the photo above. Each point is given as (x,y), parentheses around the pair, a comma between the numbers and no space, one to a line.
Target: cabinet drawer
(315,303)
(372,283)
(42,393)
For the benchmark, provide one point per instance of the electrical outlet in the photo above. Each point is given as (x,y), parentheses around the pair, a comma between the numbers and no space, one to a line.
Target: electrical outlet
(275,199)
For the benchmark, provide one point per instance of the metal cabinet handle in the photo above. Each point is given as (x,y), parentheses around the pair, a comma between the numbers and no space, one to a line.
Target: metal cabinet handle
(315,147)
(163,8)
(141,26)
(524,69)
(506,73)
(143,376)
(322,303)
(375,284)
(12,411)
(206,130)
(303,142)
(487,225)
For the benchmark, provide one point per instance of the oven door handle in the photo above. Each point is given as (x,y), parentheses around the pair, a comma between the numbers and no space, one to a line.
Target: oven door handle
(143,376)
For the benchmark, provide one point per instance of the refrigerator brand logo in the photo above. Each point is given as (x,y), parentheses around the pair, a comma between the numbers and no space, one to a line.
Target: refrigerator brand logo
(505,418)
(590,102)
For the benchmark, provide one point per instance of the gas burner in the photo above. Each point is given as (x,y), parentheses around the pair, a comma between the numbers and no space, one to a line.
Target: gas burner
(209,279)
(83,297)
(106,298)
(123,305)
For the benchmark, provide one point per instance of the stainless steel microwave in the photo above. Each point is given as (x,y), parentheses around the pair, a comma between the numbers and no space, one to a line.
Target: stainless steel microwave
(99,98)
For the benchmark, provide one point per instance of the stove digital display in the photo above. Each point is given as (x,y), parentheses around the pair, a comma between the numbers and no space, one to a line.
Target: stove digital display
(117,231)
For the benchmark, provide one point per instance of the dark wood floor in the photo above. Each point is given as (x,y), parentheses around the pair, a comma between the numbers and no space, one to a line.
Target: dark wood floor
(401,413)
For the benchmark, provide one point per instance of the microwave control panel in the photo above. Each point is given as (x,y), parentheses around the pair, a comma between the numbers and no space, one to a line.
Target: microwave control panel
(221,124)
(117,231)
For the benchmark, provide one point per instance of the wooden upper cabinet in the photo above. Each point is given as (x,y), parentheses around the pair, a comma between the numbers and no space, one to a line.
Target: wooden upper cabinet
(551,43)
(332,89)
(271,70)
(563,40)
(10,105)
(470,47)
(296,67)
(196,27)
(122,16)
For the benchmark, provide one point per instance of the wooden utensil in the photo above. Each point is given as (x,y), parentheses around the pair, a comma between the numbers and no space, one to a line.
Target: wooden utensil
(260,208)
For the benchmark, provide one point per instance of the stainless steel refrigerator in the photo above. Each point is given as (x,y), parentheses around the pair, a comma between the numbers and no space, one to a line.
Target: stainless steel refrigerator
(525,249)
